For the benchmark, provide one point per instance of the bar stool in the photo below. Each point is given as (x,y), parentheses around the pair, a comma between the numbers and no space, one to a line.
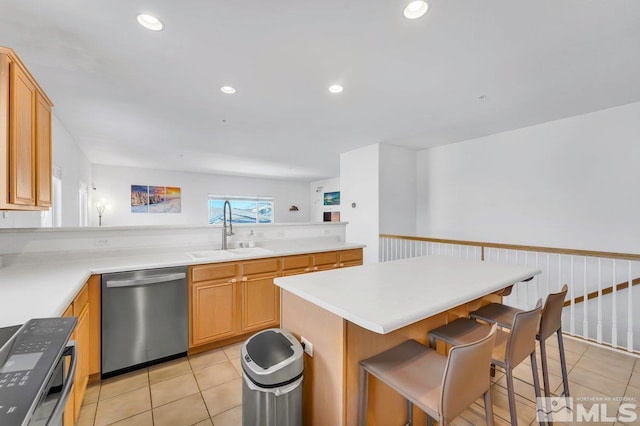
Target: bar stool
(441,386)
(510,348)
(550,322)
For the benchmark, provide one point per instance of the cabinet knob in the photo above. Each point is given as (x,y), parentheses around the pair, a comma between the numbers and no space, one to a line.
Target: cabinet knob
(232,280)
(341,265)
(307,269)
(315,268)
(244,279)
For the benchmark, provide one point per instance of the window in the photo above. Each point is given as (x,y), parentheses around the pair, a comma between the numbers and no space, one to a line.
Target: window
(243,209)
(53,216)
(83,204)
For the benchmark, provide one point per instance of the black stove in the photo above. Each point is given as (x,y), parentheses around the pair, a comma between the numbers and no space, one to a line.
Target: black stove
(31,370)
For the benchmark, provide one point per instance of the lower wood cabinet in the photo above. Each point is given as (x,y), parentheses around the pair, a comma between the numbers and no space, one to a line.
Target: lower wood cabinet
(81,308)
(213,303)
(260,296)
(234,298)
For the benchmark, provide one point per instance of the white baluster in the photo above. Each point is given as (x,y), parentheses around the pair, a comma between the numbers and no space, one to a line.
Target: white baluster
(614,310)
(572,317)
(630,311)
(599,326)
(585,310)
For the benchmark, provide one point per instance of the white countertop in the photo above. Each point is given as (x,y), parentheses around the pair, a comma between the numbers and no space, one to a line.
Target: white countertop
(46,284)
(384,297)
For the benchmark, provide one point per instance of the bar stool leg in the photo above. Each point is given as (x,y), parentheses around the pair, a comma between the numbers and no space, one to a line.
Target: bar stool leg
(545,368)
(536,380)
(429,420)
(512,397)
(363,396)
(409,413)
(563,364)
(488,407)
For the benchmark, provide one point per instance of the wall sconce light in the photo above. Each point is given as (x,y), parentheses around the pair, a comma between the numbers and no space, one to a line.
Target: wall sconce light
(101,206)
(293,209)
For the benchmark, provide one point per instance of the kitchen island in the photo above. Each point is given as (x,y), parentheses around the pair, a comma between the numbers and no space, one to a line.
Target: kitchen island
(351,314)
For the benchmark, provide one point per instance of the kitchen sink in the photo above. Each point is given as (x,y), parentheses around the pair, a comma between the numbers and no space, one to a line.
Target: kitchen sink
(211,254)
(250,251)
(228,254)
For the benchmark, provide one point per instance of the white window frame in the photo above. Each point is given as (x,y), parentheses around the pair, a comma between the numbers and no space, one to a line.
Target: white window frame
(240,198)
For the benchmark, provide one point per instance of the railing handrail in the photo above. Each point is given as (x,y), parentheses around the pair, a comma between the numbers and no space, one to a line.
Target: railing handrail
(555,250)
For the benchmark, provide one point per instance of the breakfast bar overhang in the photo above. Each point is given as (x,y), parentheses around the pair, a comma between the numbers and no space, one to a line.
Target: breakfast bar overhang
(353,313)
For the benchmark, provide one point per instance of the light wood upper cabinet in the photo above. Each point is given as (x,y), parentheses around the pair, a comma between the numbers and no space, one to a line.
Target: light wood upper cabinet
(25,138)
(44,195)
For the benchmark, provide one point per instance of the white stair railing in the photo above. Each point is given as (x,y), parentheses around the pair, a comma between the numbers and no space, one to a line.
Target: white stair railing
(601,304)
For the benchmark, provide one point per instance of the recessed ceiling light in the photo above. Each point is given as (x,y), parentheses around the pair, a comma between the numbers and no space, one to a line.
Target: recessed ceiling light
(416,9)
(150,22)
(336,88)
(227,89)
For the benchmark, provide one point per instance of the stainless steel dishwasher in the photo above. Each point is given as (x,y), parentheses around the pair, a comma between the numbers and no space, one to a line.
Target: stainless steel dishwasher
(144,318)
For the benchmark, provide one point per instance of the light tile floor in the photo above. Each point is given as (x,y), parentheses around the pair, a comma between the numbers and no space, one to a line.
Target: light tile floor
(205,389)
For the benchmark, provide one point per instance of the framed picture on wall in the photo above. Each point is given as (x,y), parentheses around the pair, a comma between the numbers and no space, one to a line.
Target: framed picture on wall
(332,198)
(139,199)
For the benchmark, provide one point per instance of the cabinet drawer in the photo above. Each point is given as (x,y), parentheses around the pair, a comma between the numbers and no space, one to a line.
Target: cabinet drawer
(326,259)
(260,266)
(296,262)
(351,255)
(80,301)
(213,272)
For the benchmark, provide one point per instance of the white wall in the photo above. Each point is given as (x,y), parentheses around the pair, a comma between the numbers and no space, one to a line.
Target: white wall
(75,169)
(397,190)
(359,173)
(113,183)
(316,198)
(569,183)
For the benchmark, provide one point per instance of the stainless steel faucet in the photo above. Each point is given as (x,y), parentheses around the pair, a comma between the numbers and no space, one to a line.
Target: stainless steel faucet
(226,233)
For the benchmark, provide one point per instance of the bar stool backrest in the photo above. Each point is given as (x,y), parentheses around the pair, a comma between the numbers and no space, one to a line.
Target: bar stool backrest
(551,320)
(522,339)
(466,375)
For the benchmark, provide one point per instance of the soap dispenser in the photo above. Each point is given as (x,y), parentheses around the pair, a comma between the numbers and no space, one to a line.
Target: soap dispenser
(252,242)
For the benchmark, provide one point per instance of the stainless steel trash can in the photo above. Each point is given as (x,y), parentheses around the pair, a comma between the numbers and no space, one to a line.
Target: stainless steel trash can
(272,367)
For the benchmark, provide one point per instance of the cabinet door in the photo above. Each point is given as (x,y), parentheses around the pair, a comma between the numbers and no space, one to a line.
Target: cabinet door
(69,408)
(43,152)
(214,311)
(22,138)
(260,296)
(82,367)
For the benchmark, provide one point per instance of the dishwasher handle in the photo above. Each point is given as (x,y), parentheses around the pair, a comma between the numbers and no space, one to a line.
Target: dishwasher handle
(148,280)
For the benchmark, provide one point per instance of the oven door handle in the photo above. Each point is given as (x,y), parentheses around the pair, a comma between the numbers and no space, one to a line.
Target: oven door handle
(146,281)
(70,350)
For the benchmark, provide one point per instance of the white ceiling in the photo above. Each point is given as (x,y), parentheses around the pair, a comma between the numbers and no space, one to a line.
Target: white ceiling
(134,97)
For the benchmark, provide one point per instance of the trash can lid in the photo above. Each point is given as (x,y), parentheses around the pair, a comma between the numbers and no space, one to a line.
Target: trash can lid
(272,357)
